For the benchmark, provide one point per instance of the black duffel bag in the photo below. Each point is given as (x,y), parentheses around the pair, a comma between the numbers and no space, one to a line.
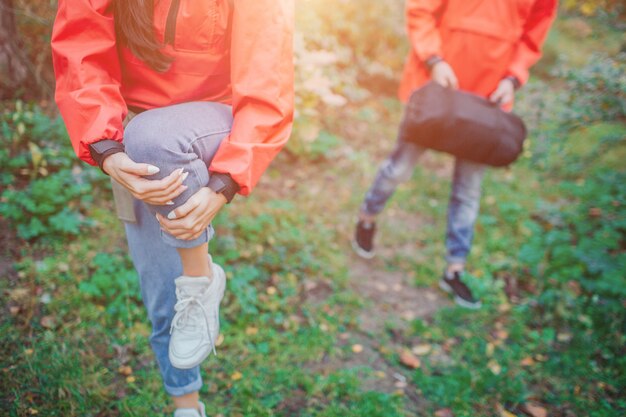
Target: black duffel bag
(462,124)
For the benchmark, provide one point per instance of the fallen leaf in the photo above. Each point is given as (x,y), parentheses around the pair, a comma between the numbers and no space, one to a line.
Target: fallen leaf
(33,411)
(535,410)
(564,337)
(503,412)
(125,370)
(220,340)
(357,348)
(502,334)
(236,376)
(130,379)
(381,374)
(595,212)
(271,290)
(444,412)
(489,349)
(409,360)
(28,352)
(494,367)
(421,350)
(527,361)
(48,322)
(400,384)
(14,310)
(251,331)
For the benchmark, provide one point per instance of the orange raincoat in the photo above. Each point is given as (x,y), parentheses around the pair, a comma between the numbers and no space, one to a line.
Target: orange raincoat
(483,40)
(239,55)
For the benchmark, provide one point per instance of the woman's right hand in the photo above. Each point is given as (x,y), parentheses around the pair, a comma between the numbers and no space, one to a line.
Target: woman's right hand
(130,175)
(443,74)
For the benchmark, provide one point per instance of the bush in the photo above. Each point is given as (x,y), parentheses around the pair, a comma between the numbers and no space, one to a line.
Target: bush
(45,190)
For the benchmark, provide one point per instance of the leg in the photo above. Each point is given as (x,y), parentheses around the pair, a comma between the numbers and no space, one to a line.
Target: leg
(182,136)
(463,211)
(393,171)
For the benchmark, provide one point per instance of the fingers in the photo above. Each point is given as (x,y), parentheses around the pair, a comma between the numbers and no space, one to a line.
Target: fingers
(185,209)
(497,96)
(157,192)
(135,168)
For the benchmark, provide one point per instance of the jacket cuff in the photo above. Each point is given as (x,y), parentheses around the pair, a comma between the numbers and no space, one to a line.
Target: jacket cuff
(223,184)
(100,150)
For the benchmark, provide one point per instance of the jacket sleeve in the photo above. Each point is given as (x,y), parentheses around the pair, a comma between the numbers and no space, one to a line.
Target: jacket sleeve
(262,77)
(422,19)
(87,72)
(528,49)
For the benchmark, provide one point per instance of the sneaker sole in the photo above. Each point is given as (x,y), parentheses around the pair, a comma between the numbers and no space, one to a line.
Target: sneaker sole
(362,252)
(195,363)
(458,300)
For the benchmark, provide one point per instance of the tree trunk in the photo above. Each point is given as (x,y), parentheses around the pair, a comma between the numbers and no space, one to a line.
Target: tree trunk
(14,67)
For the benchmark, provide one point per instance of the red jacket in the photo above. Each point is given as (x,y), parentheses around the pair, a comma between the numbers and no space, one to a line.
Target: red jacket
(248,65)
(483,40)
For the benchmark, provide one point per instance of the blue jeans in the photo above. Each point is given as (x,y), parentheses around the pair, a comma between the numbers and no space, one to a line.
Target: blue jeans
(464,198)
(180,136)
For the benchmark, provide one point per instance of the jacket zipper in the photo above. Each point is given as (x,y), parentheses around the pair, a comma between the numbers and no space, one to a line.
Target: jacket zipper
(170,25)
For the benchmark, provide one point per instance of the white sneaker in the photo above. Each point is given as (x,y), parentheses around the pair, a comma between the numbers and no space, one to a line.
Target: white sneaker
(190,412)
(196,325)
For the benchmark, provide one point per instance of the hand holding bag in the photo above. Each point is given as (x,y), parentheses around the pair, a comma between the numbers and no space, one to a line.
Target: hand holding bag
(462,124)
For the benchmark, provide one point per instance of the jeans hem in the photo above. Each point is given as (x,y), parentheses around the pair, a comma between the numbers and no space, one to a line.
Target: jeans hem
(179,243)
(187,389)
(456,259)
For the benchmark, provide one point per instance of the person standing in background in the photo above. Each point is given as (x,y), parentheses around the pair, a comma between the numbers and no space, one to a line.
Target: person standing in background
(184,104)
(485,47)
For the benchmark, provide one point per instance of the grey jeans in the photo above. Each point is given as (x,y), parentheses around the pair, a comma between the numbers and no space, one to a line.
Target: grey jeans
(464,197)
(180,136)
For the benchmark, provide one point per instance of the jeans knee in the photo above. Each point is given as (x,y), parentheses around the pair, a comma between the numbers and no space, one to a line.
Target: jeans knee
(143,138)
(396,172)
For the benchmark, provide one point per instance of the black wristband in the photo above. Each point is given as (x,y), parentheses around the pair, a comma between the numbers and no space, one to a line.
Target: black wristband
(516,82)
(432,61)
(223,184)
(102,149)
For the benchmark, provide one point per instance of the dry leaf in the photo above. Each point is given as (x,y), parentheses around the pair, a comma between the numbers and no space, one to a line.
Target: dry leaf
(444,412)
(503,412)
(28,352)
(130,379)
(489,349)
(125,370)
(494,367)
(535,410)
(421,350)
(564,337)
(236,376)
(381,374)
(357,348)
(220,340)
(14,310)
(48,322)
(251,331)
(528,361)
(409,360)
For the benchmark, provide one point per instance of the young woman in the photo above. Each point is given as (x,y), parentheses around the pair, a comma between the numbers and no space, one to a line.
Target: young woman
(484,47)
(184,104)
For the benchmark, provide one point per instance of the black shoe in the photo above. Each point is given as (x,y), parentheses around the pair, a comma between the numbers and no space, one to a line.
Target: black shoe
(363,242)
(462,294)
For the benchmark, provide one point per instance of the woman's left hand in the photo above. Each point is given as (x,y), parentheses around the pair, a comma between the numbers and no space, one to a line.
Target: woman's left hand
(504,94)
(190,220)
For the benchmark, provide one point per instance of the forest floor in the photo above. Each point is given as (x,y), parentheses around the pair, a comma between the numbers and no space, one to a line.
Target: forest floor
(309,328)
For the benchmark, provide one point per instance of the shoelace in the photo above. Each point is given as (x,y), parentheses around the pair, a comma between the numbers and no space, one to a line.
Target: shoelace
(183,307)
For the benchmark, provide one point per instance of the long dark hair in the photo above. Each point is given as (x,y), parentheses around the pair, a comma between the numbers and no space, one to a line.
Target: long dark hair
(134,28)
